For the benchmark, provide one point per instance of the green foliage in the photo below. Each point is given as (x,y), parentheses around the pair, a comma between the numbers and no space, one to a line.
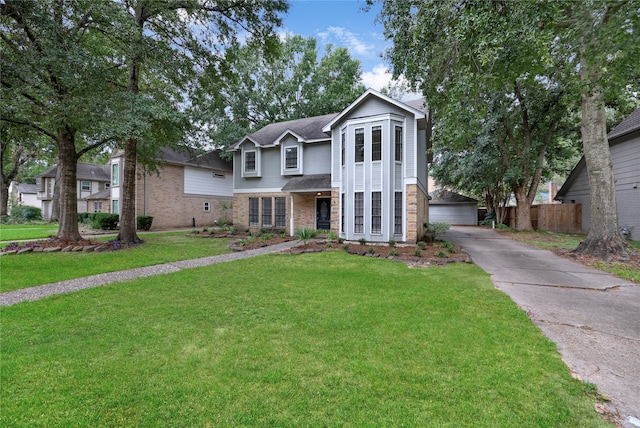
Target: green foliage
(437,229)
(362,241)
(25,214)
(306,234)
(417,252)
(422,245)
(392,242)
(345,247)
(448,246)
(393,253)
(331,235)
(441,254)
(371,250)
(143,222)
(104,221)
(289,83)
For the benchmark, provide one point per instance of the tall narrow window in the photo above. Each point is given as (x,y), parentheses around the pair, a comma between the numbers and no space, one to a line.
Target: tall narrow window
(250,161)
(359,145)
(342,212)
(115,174)
(397,218)
(266,212)
(253,212)
(291,158)
(376,212)
(115,207)
(398,143)
(343,144)
(376,143)
(281,212)
(358,226)
(97,207)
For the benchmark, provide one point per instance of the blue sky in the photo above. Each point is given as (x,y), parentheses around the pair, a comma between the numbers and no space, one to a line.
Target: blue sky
(343,24)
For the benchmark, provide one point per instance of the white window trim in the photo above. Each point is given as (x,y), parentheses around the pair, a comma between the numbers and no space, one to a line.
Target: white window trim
(206,206)
(256,172)
(283,159)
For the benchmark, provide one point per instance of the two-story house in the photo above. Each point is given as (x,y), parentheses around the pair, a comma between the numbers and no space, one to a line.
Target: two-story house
(91,180)
(187,189)
(361,173)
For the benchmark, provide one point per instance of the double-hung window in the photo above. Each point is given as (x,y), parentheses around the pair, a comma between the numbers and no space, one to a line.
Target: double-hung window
(358,226)
(266,212)
(281,212)
(397,219)
(376,212)
(250,161)
(376,143)
(253,212)
(85,186)
(291,158)
(359,146)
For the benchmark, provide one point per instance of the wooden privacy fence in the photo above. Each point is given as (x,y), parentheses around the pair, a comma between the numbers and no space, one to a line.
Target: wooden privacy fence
(566,218)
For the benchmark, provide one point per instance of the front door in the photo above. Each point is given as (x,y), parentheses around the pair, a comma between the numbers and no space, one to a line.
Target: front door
(323,213)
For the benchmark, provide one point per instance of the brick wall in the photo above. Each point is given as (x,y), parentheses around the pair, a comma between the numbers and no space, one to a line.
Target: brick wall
(161,196)
(241,209)
(417,212)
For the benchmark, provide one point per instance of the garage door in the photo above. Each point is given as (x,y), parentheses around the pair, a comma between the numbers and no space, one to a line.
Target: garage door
(454,214)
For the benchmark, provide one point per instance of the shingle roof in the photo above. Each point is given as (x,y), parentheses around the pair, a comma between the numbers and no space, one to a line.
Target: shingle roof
(447,197)
(84,171)
(103,194)
(211,159)
(26,188)
(308,183)
(630,124)
(310,129)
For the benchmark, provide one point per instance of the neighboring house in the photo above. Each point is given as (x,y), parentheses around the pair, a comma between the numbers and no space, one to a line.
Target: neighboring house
(24,194)
(624,143)
(91,179)
(452,208)
(361,173)
(188,190)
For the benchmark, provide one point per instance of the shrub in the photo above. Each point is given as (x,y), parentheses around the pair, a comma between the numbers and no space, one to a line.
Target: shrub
(306,234)
(25,213)
(449,247)
(371,250)
(441,254)
(283,235)
(362,241)
(345,247)
(393,253)
(328,245)
(332,235)
(417,252)
(436,229)
(422,244)
(392,242)
(83,217)
(143,222)
(104,221)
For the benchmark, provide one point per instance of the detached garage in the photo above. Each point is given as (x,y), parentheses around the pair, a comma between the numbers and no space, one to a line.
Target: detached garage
(452,208)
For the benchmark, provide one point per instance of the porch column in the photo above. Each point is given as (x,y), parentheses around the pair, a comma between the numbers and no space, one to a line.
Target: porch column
(291,225)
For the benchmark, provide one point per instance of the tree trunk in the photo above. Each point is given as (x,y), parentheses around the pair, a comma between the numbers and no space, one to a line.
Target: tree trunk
(67,166)
(127,234)
(523,213)
(603,240)
(55,200)
(4,198)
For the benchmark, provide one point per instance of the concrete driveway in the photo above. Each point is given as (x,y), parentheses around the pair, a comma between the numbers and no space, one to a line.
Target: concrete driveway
(593,317)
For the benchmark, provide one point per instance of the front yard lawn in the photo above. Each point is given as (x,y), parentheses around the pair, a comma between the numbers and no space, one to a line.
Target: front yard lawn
(31,269)
(324,339)
(14,232)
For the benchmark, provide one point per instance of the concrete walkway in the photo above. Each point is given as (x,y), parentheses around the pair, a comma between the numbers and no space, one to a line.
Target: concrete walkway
(35,293)
(593,317)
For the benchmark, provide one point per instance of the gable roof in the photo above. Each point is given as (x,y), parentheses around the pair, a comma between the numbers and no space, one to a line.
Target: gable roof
(308,129)
(627,126)
(84,171)
(449,197)
(371,93)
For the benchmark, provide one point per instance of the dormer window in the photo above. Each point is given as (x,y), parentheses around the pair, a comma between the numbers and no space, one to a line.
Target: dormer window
(250,161)
(291,158)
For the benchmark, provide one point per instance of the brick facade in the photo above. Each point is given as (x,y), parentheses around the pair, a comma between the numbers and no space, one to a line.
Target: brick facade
(417,212)
(162,197)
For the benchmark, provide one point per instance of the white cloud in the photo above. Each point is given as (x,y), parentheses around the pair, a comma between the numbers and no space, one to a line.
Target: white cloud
(350,40)
(377,78)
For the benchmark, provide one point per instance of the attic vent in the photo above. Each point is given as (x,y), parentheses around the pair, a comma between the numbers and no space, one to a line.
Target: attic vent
(218,175)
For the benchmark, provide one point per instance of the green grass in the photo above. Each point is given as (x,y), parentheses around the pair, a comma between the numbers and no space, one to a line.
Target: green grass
(31,269)
(322,339)
(16,232)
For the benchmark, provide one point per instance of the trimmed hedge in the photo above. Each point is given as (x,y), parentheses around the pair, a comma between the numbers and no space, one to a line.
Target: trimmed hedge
(143,222)
(104,221)
(25,213)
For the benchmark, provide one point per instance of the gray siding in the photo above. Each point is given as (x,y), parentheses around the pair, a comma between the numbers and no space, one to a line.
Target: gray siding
(317,158)
(374,107)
